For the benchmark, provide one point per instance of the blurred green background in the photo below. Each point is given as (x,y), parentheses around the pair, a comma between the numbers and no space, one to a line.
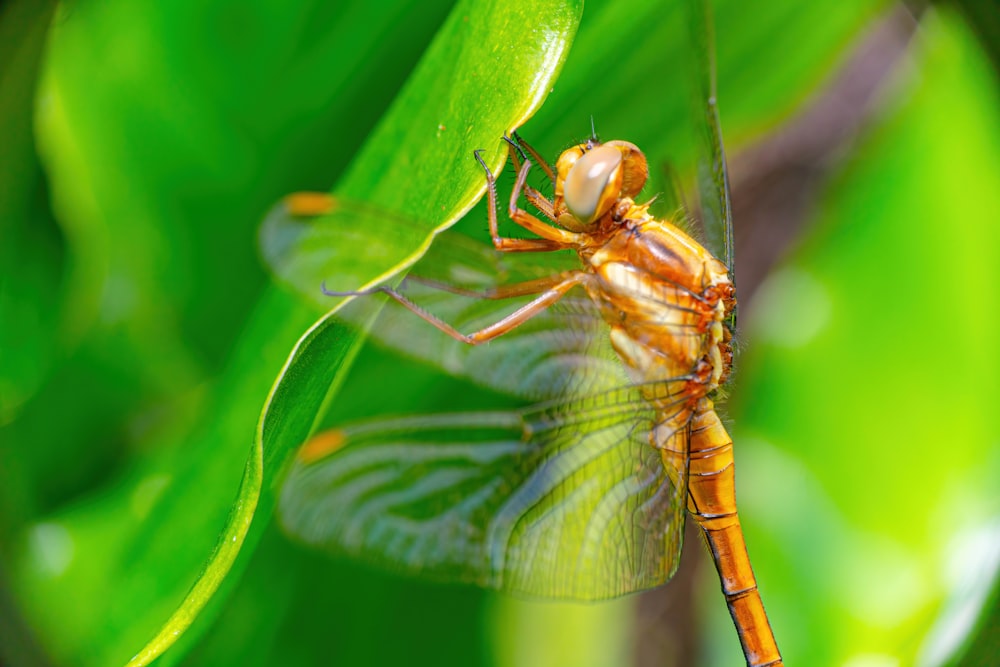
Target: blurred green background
(143,144)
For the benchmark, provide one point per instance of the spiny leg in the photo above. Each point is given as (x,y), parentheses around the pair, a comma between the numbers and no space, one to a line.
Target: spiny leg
(544,205)
(553,238)
(528,221)
(507,291)
(546,167)
(554,288)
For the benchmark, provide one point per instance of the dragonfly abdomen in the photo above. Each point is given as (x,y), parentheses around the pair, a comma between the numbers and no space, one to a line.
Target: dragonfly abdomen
(712,504)
(666,299)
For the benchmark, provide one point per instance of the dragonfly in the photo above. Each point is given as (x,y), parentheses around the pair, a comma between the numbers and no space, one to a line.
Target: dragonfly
(620,341)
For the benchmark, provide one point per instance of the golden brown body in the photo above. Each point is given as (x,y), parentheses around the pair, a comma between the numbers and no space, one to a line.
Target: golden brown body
(712,504)
(652,280)
(665,299)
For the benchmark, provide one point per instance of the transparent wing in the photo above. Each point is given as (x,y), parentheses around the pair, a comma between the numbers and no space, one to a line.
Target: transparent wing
(713,187)
(713,178)
(561,352)
(562,500)
(539,360)
(565,499)
(311,239)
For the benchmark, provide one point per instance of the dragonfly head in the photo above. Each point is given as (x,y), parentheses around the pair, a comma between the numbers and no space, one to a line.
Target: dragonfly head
(592,176)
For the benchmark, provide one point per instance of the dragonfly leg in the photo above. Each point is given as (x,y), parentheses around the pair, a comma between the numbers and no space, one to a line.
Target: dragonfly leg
(544,205)
(530,222)
(546,167)
(362,292)
(508,291)
(553,238)
(553,291)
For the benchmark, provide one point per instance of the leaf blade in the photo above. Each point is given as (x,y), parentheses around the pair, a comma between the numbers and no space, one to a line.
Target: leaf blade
(329,345)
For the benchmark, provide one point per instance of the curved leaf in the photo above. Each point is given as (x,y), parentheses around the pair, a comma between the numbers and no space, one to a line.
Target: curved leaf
(561,500)
(401,162)
(432,130)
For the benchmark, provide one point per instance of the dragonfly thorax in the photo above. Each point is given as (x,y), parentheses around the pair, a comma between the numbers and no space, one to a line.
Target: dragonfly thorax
(665,298)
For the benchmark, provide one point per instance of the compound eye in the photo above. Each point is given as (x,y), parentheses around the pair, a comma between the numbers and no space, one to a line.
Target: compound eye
(589,179)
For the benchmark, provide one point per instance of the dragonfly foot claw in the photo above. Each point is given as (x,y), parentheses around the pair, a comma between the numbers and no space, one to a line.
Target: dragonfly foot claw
(366,292)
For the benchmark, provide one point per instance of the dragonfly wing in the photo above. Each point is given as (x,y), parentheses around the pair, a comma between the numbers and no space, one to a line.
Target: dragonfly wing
(564,500)
(713,176)
(311,239)
(560,352)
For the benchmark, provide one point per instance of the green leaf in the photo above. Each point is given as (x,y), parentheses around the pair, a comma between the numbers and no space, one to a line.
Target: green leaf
(29,255)
(446,88)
